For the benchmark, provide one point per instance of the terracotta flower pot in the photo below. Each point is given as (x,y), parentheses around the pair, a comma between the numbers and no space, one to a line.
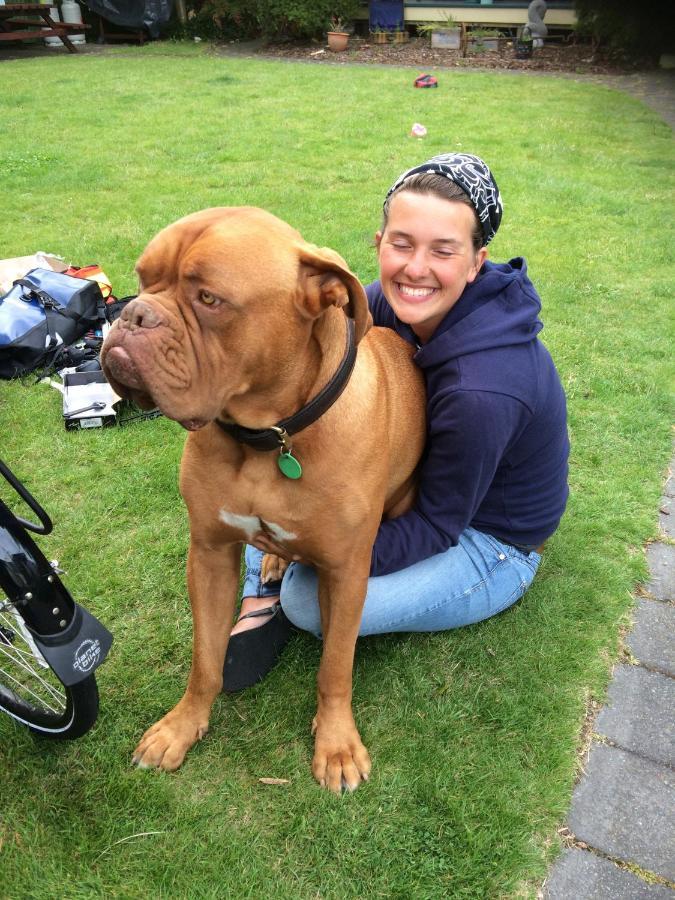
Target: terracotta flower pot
(337,40)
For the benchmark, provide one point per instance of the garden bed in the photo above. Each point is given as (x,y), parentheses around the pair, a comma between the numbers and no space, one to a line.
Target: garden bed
(575,58)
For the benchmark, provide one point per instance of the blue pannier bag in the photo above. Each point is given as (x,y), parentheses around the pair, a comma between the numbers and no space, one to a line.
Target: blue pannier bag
(43,313)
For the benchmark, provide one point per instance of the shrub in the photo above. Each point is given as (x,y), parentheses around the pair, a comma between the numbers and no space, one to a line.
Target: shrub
(225,19)
(281,19)
(274,20)
(644,28)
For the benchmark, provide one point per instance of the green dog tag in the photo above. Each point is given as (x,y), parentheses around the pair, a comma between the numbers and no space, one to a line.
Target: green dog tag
(289,465)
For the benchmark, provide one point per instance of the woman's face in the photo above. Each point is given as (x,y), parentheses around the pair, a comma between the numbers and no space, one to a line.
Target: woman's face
(426,258)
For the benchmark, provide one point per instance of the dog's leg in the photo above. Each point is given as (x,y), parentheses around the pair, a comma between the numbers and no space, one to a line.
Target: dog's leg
(212,585)
(340,759)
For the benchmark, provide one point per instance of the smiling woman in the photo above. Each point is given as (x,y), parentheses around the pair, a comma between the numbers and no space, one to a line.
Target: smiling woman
(493,480)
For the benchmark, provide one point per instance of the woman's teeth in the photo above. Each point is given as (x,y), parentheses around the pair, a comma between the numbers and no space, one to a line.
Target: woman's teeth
(415,292)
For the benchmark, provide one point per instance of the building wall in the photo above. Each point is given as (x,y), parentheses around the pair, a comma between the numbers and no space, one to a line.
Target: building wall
(488,14)
(558,15)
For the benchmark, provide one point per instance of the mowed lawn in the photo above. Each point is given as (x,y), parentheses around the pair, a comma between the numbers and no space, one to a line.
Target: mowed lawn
(474,734)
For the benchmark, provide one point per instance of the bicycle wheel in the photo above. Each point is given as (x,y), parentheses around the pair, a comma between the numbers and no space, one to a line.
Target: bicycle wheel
(30,691)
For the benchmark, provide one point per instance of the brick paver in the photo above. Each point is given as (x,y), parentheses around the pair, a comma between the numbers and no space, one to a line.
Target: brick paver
(625,807)
(652,640)
(639,715)
(661,558)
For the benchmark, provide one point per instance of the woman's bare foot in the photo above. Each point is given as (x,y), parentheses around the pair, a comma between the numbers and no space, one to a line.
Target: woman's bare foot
(252,604)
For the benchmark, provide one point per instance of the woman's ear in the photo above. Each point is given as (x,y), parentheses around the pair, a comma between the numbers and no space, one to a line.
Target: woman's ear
(378,239)
(479,259)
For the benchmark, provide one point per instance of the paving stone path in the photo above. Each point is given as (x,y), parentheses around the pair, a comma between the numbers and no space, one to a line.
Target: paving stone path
(622,816)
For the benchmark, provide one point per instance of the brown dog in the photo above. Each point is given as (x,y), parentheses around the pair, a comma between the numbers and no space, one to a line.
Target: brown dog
(240,321)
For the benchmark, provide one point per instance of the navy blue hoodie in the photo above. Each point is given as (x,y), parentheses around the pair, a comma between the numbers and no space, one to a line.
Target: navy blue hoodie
(497,445)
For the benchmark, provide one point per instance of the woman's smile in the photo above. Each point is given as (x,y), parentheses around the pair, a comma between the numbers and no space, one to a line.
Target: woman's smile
(412,293)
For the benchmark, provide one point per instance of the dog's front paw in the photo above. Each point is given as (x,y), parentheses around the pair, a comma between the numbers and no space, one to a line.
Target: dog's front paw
(164,745)
(341,762)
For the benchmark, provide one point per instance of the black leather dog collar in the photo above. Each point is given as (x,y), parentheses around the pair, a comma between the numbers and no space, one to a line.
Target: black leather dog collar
(273,438)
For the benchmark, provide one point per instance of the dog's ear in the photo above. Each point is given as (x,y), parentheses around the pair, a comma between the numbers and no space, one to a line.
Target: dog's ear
(326,280)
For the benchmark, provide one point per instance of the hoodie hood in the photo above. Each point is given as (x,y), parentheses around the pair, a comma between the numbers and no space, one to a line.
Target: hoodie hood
(499,309)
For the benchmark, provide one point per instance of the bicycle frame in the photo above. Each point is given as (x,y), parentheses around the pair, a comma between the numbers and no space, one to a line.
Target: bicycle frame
(72,641)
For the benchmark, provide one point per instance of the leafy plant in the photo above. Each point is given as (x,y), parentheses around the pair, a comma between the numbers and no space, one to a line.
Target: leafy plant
(646,28)
(224,19)
(269,19)
(301,19)
(447,20)
(337,24)
(443,23)
(481,33)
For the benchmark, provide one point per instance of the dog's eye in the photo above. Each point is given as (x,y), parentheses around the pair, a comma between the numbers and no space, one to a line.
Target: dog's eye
(207,298)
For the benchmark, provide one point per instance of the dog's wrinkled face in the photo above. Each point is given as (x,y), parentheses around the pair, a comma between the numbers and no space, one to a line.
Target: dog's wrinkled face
(216,290)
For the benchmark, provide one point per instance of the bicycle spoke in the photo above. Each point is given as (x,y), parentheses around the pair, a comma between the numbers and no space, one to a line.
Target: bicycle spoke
(54,695)
(26,654)
(21,655)
(27,690)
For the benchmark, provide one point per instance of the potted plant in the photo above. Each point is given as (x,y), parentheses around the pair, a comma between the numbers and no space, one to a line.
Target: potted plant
(379,36)
(338,36)
(445,33)
(524,43)
(482,39)
(399,35)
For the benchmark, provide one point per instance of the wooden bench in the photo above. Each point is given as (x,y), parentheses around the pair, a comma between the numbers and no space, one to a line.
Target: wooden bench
(15,24)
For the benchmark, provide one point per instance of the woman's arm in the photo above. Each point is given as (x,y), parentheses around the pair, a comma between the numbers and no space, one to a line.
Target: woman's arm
(469,433)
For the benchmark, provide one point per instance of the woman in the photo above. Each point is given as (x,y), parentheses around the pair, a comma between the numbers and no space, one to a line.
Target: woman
(493,480)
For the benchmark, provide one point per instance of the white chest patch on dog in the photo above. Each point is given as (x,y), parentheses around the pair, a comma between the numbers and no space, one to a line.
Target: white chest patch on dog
(252,525)
(278,533)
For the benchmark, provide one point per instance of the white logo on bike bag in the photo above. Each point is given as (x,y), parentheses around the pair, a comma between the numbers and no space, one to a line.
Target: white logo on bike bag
(87,655)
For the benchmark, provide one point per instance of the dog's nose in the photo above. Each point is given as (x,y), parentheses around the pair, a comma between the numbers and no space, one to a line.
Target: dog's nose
(139,314)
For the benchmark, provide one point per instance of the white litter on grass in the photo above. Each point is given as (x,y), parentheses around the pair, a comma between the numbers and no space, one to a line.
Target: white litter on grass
(124,840)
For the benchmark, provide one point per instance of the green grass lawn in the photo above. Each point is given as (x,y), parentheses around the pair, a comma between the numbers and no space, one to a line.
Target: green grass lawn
(473,734)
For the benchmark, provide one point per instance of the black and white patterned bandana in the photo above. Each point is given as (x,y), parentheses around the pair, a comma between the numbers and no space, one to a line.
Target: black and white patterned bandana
(475,179)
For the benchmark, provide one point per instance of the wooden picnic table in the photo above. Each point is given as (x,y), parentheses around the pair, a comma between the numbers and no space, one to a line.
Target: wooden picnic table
(36,22)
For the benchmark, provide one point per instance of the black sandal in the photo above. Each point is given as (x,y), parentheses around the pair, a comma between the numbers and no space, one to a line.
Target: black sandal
(252,654)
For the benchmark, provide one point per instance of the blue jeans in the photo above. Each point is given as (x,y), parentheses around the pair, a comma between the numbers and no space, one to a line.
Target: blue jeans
(477,579)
